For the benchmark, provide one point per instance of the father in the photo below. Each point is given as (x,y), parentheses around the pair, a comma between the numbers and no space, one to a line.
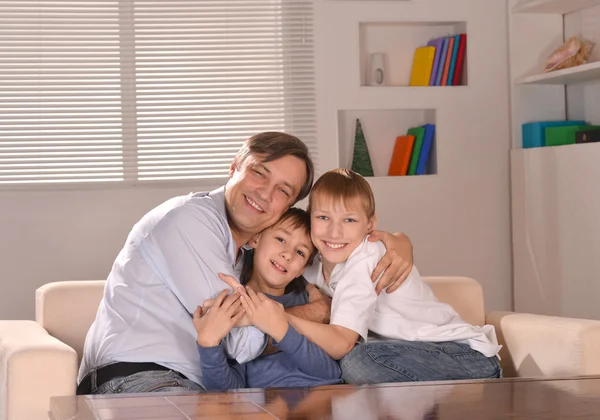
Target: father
(143,339)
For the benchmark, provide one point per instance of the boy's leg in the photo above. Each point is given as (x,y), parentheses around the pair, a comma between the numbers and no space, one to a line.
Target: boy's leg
(149,381)
(409,361)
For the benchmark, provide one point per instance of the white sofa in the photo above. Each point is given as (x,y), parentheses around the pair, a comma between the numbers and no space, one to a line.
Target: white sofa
(39,359)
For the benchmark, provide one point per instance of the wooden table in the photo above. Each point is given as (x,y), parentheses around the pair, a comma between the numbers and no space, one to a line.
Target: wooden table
(465,400)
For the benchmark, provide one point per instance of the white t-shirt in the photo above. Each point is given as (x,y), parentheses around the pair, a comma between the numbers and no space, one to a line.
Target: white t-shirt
(410,313)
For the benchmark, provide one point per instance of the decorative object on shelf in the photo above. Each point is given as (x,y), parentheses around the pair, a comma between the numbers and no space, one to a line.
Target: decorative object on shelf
(574,52)
(377,70)
(361,160)
(587,136)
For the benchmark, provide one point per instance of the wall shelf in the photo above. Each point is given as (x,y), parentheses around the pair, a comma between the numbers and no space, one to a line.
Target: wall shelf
(381,127)
(553,6)
(585,73)
(398,41)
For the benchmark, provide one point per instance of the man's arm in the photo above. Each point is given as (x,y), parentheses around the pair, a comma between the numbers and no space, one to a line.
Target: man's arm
(335,340)
(187,249)
(217,373)
(397,262)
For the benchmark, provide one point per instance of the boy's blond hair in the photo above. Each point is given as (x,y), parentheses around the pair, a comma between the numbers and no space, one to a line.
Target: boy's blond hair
(344,186)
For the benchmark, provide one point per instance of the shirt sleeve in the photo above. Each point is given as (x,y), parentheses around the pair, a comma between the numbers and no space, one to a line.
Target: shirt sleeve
(354,298)
(307,356)
(187,249)
(217,372)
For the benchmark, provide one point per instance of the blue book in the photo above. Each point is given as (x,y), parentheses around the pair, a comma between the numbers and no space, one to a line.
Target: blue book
(437,43)
(534,133)
(442,60)
(453,62)
(425,148)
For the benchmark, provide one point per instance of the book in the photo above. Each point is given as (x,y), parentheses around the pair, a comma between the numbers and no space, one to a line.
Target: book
(401,155)
(437,44)
(460,59)
(587,136)
(534,133)
(442,60)
(453,60)
(444,81)
(422,63)
(418,133)
(425,148)
(564,134)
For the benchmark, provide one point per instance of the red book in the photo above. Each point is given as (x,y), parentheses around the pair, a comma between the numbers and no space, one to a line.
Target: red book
(460,59)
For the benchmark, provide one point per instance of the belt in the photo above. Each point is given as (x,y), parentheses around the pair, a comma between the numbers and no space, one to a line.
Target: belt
(97,377)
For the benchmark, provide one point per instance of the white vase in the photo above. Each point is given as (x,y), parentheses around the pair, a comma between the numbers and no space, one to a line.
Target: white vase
(376,75)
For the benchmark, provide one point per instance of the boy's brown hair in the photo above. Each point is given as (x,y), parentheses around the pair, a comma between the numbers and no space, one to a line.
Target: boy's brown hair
(343,185)
(296,219)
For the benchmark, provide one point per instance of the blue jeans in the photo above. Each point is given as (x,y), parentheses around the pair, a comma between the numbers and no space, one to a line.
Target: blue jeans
(149,381)
(410,361)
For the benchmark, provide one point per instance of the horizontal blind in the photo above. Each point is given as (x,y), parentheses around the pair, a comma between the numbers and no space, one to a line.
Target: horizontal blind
(149,90)
(60,100)
(210,74)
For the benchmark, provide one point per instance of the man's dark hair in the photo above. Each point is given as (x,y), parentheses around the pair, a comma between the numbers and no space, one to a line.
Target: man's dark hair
(274,145)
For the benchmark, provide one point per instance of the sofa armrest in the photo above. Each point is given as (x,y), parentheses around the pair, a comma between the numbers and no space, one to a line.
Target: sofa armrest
(540,345)
(34,366)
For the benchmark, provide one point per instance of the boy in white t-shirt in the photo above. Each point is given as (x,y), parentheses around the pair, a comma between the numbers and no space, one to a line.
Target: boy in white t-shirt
(407,335)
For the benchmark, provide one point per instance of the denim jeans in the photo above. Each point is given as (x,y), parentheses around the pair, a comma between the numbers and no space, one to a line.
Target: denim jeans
(149,381)
(410,361)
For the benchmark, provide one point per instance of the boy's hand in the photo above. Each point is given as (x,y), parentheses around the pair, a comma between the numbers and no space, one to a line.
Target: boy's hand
(233,283)
(266,314)
(216,318)
(397,262)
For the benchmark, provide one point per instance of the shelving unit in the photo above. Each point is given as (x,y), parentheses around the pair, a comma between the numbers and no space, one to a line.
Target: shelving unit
(398,41)
(553,6)
(554,194)
(381,127)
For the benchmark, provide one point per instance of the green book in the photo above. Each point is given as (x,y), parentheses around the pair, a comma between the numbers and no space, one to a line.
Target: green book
(419,133)
(565,134)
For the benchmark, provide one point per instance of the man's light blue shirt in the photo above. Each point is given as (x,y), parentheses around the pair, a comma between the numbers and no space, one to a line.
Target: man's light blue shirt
(167,268)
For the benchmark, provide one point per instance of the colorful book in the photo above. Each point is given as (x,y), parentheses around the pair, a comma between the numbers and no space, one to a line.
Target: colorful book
(440,70)
(447,62)
(534,133)
(460,59)
(437,44)
(425,148)
(565,134)
(453,60)
(401,155)
(422,63)
(587,136)
(418,133)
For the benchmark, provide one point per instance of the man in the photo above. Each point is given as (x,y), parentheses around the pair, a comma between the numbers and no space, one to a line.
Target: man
(143,339)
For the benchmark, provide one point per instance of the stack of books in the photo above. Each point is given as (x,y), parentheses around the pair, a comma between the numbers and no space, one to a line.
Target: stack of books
(558,133)
(440,63)
(411,151)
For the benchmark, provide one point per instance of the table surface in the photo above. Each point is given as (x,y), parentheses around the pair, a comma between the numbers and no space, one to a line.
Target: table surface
(512,398)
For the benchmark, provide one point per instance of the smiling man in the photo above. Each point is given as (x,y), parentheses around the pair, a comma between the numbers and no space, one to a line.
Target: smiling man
(142,339)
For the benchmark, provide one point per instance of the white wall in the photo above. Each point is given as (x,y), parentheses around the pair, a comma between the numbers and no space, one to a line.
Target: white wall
(458,220)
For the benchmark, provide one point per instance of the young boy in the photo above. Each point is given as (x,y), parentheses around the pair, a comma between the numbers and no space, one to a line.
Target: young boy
(280,255)
(407,335)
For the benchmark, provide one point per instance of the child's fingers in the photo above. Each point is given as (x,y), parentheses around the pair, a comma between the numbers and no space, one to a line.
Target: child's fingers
(197,313)
(237,317)
(232,282)
(252,295)
(221,297)
(230,300)
(248,305)
(233,307)
(261,296)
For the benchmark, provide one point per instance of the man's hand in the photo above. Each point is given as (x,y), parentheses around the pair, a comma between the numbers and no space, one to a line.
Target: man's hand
(216,318)
(397,262)
(265,314)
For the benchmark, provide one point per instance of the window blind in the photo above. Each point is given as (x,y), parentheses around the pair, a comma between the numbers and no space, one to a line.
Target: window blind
(99,90)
